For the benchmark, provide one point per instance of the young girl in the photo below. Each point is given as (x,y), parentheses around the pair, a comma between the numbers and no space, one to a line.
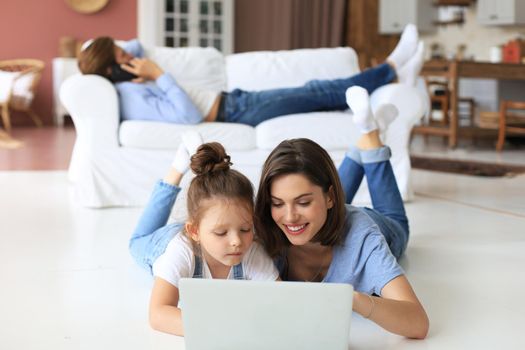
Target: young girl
(304,224)
(215,242)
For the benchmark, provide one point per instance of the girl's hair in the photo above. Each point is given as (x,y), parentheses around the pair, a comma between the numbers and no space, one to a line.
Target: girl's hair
(97,57)
(215,180)
(305,157)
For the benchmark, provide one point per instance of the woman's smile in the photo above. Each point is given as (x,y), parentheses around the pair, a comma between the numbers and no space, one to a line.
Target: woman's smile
(295,230)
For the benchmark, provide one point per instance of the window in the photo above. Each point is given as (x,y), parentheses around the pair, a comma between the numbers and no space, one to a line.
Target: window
(198,23)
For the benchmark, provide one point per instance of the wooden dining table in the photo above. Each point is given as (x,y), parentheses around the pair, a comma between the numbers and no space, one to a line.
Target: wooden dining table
(452,71)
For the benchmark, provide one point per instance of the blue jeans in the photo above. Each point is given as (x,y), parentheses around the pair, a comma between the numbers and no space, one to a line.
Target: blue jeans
(152,235)
(254,107)
(389,211)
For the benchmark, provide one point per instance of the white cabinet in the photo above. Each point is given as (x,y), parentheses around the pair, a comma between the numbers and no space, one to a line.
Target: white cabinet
(394,15)
(501,12)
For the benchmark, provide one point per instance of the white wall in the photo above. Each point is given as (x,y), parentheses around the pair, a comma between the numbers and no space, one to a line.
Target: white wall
(478,40)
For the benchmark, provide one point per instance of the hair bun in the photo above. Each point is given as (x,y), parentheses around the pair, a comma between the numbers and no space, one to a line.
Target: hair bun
(210,157)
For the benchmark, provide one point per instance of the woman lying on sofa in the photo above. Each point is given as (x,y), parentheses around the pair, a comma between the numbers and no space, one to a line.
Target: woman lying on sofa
(148,93)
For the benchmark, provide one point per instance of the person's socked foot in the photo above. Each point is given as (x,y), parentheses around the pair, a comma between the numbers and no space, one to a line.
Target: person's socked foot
(358,100)
(410,71)
(406,47)
(192,140)
(384,116)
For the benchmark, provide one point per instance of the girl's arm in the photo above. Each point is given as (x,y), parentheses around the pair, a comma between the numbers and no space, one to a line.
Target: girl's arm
(164,315)
(398,310)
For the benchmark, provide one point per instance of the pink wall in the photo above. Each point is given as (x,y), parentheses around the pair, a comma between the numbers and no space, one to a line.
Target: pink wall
(32,29)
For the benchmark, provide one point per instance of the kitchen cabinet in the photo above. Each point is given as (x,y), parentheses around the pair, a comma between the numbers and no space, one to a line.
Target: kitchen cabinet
(501,12)
(394,15)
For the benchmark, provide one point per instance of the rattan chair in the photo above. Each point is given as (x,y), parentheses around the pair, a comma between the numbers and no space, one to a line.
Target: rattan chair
(18,82)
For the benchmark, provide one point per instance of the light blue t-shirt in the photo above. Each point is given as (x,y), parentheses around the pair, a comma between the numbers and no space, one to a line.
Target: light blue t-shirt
(162,100)
(364,259)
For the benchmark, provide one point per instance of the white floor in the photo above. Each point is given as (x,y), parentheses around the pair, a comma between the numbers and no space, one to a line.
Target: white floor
(67,281)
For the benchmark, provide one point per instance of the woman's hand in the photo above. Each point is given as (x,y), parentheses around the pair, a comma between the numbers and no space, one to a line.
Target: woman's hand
(398,310)
(143,68)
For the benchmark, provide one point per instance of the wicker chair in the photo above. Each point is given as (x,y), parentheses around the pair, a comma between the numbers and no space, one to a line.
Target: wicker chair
(18,82)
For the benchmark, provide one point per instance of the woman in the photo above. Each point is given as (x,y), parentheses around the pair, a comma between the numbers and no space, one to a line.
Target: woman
(149,93)
(305,225)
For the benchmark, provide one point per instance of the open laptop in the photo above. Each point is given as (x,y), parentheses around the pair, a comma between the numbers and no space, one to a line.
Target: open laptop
(251,315)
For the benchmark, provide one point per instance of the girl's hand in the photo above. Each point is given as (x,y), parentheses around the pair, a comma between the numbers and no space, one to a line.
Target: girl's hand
(164,315)
(143,68)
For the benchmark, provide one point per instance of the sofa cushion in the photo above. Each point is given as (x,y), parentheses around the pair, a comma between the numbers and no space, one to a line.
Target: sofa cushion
(192,67)
(264,70)
(158,135)
(332,130)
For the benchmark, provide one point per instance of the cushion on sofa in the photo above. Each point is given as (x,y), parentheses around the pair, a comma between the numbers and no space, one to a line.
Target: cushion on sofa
(157,135)
(265,70)
(192,67)
(324,128)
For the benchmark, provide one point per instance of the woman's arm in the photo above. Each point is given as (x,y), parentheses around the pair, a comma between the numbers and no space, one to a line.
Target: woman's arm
(398,310)
(164,315)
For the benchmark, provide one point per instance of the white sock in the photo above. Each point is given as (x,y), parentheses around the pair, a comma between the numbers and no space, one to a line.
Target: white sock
(192,140)
(408,73)
(181,162)
(358,100)
(405,47)
(384,115)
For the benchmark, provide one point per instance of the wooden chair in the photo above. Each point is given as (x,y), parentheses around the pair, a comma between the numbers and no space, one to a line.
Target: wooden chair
(439,93)
(510,122)
(18,82)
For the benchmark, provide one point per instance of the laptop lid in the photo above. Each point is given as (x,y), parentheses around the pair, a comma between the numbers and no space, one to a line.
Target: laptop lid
(230,314)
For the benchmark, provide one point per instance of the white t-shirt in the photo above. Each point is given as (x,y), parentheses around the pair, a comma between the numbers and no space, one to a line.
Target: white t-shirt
(178,261)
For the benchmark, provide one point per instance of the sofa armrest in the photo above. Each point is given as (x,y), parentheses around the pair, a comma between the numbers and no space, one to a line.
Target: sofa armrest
(92,102)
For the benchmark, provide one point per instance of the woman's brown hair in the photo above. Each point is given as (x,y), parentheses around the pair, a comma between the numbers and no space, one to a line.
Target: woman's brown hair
(215,179)
(299,156)
(97,57)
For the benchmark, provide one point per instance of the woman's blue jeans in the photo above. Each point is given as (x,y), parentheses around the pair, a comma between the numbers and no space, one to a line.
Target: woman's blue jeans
(254,107)
(389,211)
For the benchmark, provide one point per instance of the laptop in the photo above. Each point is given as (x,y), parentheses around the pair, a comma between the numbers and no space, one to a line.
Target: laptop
(252,315)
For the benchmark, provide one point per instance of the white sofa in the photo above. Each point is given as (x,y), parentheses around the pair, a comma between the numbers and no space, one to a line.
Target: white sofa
(116,164)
